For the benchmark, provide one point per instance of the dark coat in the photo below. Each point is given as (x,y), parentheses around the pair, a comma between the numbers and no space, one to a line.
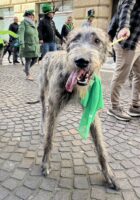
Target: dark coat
(65,30)
(14,28)
(47,30)
(28,38)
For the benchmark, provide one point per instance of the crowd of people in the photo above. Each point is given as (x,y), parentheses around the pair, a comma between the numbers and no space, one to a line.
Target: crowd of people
(35,41)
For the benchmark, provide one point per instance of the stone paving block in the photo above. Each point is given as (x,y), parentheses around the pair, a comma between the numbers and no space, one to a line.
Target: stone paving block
(137,190)
(36,170)
(66,172)
(64,149)
(129,195)
(3,193)
(19,174)
(132,173)
(127,164)
(66,163)
(23,192)
(49,184)
(38,160)
(98,193)
(62,195)
(120,174)
(80,170)
(124,184)
(55,166)
(76,148)
(81,182)
(3,175)
(66,156)
(81,195)
(55,157)
(136,161)
(16,157)
(8,165)
(4,155)
(78,155)
(26,163)
(43,195)
(93,169)
(135,181)
(78,162)
(113,197)
(66,183)
(91,160)
(10,183)
(54,174)
(32,182)
(12,197)
(30,154)
(97,179)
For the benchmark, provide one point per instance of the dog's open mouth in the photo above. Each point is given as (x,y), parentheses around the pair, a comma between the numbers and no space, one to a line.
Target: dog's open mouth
(80,77)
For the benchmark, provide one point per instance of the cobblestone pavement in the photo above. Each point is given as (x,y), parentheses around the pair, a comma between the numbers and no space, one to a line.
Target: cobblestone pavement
(75,171)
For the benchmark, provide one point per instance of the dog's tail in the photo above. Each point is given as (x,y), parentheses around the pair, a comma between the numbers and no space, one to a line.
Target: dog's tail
(33,102)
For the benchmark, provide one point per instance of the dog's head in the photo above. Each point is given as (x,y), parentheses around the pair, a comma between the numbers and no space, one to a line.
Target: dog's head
(87,49)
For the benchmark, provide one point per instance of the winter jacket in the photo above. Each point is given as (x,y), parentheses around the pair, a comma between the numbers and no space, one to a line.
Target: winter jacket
(47,30)
(14,28)
(28,38)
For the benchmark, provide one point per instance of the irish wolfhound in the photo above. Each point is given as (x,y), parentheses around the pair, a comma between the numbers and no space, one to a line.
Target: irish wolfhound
(64,77)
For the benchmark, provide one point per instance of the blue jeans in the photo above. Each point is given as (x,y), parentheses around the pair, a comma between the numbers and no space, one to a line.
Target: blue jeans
(49,47)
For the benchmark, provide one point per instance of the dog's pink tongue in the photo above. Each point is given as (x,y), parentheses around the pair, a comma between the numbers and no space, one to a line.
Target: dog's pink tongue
(71,82)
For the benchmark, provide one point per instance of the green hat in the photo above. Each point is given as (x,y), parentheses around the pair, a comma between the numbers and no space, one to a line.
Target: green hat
(28,13)
(47,8)
(91,13)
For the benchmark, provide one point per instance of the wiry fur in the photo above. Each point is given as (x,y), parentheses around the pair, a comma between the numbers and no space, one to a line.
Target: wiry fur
(89,44)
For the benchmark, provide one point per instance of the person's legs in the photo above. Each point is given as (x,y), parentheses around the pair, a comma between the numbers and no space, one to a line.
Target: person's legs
(1,54)
(52,46)
(33,61)
(45,49)
(27,66)
(134,110)
(15,55)
(124,61)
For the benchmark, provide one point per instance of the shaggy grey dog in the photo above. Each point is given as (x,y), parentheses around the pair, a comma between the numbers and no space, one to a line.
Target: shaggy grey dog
(65,77)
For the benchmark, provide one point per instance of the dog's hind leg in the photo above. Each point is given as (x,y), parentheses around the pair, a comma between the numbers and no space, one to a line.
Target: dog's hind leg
(96,133)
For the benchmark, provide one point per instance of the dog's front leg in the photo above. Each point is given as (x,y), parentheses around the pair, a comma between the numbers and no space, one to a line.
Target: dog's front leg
(96,133)
(49,127)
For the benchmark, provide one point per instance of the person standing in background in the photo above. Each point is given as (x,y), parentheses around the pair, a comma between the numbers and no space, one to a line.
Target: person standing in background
(127,59)
(67,27)
(29,42)
(14,28)
(89,21)
(47,30)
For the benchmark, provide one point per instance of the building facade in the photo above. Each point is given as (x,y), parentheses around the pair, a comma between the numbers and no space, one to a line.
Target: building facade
(77,8)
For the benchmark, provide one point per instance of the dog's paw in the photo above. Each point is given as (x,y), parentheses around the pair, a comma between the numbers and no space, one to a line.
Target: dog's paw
(45,170)
(113,184)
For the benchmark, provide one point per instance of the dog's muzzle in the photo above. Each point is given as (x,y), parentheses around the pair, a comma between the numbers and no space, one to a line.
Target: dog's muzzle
(81,75)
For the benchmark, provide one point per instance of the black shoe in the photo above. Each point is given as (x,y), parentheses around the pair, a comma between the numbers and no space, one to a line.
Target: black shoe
(16,61)
(134,111)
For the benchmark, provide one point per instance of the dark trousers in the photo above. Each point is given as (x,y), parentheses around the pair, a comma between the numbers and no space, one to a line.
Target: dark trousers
(15,54)
(29,62)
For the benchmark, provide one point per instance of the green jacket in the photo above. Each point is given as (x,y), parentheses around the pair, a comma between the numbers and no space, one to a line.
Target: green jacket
(28,38)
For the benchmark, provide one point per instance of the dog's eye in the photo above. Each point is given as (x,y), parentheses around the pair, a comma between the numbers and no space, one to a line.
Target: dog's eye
(97,41)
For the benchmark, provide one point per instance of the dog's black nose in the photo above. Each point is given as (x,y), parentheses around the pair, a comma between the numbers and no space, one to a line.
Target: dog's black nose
(82,63)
